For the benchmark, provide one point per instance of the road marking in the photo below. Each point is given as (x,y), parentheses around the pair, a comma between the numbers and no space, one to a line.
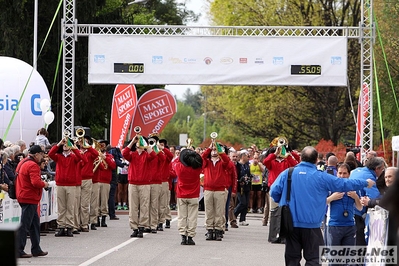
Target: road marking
(116,248)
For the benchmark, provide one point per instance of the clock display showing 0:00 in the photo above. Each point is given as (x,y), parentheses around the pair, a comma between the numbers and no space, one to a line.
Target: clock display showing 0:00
(128,68)
(305,69)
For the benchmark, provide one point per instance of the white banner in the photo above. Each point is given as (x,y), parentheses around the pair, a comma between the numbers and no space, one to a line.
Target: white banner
(10,211)
(244,60)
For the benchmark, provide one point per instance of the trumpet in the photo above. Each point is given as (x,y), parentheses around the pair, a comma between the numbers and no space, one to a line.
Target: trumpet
(80,133)
(67,138)
(282,143)
(152,142)
(137,130)
(189,142)
(214,135)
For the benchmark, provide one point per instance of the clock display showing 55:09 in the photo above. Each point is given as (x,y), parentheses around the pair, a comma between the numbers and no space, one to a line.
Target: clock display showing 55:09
(305,69)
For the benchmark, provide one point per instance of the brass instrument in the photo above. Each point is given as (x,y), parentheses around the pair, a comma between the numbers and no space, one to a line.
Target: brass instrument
(99,159)
(280,142)
(137,130)
(189,142)
(152,142)
(80,133)
(214,135)
(67,137)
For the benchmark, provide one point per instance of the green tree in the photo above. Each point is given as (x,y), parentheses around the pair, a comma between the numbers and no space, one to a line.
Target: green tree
(303,114)
(92,103)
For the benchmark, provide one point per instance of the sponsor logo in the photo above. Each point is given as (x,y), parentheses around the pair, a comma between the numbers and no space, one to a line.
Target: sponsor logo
(190,60)
(176,60)
(8,104)
(155,109)
(124,101)
(226,60)
(243,60)
(259,60)
(336,60)
(208,60)
(99,58)
(35,104)
(278,60)
(379,255)
(157,59)
(43,210)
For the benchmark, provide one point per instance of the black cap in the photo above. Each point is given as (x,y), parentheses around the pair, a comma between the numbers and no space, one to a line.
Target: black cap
(35,149)
(190,158)
(106,142)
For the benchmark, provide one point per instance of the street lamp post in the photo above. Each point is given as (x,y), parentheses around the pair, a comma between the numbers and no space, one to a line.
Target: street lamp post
(35,19)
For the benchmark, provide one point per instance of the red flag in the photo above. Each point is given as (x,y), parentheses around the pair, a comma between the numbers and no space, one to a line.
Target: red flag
(154,110)
(124,105)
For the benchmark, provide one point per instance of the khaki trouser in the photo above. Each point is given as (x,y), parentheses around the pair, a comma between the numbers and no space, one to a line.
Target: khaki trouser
(103,199)
(215,207)
(139,200)
(76,214)
(163,202)
(94,203)
(85,195)
(66,204)
(155,190)
(187,214)
(168,214)
(266,209)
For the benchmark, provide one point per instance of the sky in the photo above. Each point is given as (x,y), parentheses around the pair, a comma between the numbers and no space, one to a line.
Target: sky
(199,7)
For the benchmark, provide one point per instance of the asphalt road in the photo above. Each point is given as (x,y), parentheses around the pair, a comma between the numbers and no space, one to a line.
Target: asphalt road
(246,245)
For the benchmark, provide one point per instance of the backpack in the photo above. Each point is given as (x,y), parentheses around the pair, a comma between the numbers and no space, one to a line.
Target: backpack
(12,193)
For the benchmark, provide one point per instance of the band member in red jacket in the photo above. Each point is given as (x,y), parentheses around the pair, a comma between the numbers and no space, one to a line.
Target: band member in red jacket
(164,196)
(139,183)
(106,165)
(215,163)
(90,154)
(29,188)
(67,157)
(188,168)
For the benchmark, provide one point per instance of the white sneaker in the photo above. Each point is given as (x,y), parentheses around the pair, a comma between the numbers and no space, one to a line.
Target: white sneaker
(244,223)
(260,211)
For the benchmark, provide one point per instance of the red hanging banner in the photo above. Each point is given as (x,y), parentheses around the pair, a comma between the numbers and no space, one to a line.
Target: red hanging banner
(154,110)
(124,105)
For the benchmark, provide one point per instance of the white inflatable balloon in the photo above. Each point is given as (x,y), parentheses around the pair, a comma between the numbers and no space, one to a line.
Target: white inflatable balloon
(45,105)
(49,117)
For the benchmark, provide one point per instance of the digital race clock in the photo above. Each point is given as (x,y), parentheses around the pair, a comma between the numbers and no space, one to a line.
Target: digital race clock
(305,69)
(128,68)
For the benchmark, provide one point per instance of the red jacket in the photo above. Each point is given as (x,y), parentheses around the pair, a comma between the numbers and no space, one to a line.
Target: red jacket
(188,183)
(276,167)
(29,186)
(215,174)
(105,172)
(138,173)
(165,169)
(87,167)
(155,168)
(65,171)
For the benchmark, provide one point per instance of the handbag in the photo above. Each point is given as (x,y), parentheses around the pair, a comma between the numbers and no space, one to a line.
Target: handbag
(281,224)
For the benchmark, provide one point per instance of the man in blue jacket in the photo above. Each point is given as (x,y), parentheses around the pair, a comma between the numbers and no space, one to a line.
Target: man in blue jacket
(375,166)
(309,190)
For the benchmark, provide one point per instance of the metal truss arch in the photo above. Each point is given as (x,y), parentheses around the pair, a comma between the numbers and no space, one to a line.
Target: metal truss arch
(364,33)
